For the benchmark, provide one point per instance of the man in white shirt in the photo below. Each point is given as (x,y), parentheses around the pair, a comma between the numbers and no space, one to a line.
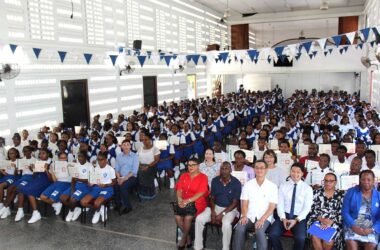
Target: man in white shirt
(258,201)
(295,198)
(370,157)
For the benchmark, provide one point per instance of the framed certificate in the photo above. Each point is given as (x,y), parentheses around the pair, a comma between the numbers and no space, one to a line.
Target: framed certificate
(348,181)
(310,165)
(95,177)
(302,149)
(161,144)
(324,149)
(351,147)
(39,166)
(242,176)
(60,169)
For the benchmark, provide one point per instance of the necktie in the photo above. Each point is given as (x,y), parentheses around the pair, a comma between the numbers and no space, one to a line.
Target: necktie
(291,213)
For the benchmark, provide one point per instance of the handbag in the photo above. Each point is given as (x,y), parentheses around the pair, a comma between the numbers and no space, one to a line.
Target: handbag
(189,209)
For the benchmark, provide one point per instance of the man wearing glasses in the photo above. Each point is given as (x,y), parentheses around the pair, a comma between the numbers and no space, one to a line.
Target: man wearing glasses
(258,201)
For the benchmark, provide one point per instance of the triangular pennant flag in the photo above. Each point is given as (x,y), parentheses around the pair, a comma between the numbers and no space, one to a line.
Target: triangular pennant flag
(279,50)
(141,60)
(372,43)
(88,57)
(37,52)
(162,56)
(315,53)
(325,52)
(376,32)
(255,60)
(155,58)
(346,48)
(216,60)
(223,56)
(120,49)
(360,45)
(350,37)
(189,57)
(241,61)
(322,42)
(311,55)
(149,53)
(62,55)
(307,46)
(365,33)
(337,39)
(282,58)
(229,61)
(330,50)
(113,59)
(204,59)
(269,59)
(298,56)
(175,56)
(196,59)
(252,54)
(13,47)
(341,50)
(167,59)
(292,48)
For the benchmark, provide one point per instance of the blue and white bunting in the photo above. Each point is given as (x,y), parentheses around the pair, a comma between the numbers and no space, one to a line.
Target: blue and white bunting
(113,59)
(87,57)
(141,60)
(37,52)
(13,47)
(62,55)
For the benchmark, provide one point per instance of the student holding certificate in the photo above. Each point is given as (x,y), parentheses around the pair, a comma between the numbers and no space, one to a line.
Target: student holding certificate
(101,191)
(60,176)
(326,209)
(36,186)
(315,176)
(361,213)
(8,171)
(79,186)
(27,176)
(239,166)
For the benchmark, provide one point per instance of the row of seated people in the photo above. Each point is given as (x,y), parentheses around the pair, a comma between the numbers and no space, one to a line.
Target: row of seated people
(271,210)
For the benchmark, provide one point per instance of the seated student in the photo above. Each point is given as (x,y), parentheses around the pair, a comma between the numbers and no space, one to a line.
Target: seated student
(62,148)
(127,166)
(99,193)
(8,174)
(52,194)
(35,187)
(189,141)
(192,193)
(209,167)
(2,149)
(210,130)
(355,167)
(224,200)
(334,147)
(250,135)
(360,149)
(315,176)
(16,139)
(239,166)
(361,213)
(326,209)
(219,155)
(341,152)
(370,158)
(198,147)
(177,140)
(165,165)
(262,146)
(112,148)
(295,199)
(27,175)
(79,188)
(274,173)
(256,207)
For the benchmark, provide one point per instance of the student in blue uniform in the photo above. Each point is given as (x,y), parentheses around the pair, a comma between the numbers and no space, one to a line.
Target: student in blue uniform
(177,140)
(190,140)
(198,147)
(52,194)
(36,186)
(113,150)
(79,188)
(166,160)
(9,174)
(102,191)
(27,175)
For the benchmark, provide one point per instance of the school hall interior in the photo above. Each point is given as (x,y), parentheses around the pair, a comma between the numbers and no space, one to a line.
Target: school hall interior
(141,72)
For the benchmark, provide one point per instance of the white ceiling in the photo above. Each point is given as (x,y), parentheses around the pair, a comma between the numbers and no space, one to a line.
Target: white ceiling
(238,7)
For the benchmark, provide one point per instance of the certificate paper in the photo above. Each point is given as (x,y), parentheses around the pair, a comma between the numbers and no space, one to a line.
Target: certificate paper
(351,147)
(4,164)
(348,181)
(284,161)
(242,176)
(376,148)
(218,157)
(259,155)
(325,149)
(60,169)
(310,165)
(39,166)
(73,170)
(302,149)
(340,168)
(231,149)
(95,177)
(273,144)
(161,145)
(249,155)
(23,164)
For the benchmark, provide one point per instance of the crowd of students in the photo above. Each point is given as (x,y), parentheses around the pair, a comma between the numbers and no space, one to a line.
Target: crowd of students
(263,134)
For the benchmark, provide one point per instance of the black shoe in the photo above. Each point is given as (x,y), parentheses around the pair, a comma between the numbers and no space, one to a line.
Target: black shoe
(181,247)
(127,210)
(121,209)
(189,245)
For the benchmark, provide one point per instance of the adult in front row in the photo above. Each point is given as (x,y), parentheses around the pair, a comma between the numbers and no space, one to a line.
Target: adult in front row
(361,213)
(225,196)
(258,201)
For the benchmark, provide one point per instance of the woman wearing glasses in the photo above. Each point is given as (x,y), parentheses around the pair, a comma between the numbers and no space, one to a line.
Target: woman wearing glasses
(192,192)
(361,213)
(326,209)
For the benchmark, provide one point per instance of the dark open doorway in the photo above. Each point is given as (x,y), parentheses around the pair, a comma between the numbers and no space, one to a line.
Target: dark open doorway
(150,90)
(75,102)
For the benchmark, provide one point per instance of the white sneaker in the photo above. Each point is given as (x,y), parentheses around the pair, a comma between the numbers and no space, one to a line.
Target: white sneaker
(1,205)
(181,166)
(77,212)
(172,183)
(96,217)
(2,211)
(19,215)
(36,216)
(6,213)
(102,214)
(176,174)
(57,207)
(69,216)
(155,183)
(162,175)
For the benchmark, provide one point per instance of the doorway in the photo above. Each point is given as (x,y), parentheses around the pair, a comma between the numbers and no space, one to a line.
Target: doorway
(150,90)
(75,102)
